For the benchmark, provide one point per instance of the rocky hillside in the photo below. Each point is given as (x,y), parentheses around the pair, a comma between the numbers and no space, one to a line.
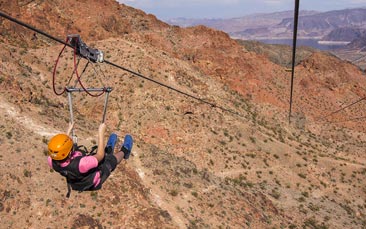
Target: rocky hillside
(193,166)
(278,54)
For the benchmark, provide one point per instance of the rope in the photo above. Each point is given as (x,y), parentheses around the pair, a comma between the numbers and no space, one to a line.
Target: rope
(68,83)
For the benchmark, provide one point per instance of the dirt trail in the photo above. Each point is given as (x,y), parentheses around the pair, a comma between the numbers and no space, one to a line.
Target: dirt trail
(156,195)
(24,120)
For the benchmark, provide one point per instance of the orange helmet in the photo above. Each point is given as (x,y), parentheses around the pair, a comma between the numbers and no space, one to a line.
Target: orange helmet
(59,146)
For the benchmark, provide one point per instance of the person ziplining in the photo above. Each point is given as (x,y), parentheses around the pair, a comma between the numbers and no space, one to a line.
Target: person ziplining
(85,171)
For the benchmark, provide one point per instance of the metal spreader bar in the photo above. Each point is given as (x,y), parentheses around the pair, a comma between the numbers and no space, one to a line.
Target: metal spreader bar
(74,137)
(70,90)
(107,91)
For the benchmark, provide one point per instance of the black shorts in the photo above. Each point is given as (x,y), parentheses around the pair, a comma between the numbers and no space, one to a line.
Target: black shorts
(106,167)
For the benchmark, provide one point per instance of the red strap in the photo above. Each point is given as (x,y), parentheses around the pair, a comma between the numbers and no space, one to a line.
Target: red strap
(79,79)
(54,71)
(76,72)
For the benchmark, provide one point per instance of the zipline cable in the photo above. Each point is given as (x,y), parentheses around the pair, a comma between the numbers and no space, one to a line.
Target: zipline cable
(171,88)
(355,119)
(34,29)
(296,18)
(120,67)
(341,109)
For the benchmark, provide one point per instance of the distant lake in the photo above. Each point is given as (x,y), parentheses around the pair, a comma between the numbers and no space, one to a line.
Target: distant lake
(303,42)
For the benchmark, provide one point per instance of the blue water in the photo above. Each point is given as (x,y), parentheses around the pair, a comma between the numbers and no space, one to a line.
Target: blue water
(302,42)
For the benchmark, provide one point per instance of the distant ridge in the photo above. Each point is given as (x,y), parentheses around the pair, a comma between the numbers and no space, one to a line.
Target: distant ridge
(236,24)
(312,24)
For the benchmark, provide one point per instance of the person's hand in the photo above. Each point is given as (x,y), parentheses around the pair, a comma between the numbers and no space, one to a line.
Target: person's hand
(100,151)
(102,128)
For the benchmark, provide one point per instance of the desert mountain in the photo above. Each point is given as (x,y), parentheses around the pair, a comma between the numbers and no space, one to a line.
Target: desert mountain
(235,25)
(192,166)
(312,24)
(359,42)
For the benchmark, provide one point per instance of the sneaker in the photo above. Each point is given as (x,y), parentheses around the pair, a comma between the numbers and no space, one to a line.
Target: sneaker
(111,142)
(127,146)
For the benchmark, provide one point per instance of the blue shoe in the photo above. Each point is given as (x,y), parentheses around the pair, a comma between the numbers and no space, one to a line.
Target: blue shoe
(112,141)
(127,146)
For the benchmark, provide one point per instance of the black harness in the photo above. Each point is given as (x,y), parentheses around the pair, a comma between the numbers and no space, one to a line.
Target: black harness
(76,180)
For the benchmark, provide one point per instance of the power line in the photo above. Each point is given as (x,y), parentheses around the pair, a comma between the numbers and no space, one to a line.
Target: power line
(120,67)
(296,18)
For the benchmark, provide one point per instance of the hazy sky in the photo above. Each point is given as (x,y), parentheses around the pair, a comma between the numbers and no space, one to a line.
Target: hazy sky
(167,9)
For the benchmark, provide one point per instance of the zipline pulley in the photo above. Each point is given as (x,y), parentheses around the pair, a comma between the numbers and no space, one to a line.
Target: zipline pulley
(83,50)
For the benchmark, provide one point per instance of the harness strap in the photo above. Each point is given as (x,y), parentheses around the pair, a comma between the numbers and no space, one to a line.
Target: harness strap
(68,189)
(85,152)
(92,151)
